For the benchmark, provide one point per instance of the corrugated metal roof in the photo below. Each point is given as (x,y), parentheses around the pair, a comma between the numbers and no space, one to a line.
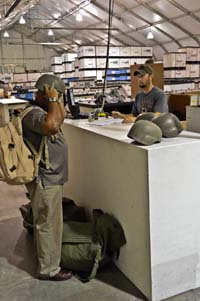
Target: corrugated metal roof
(174,23)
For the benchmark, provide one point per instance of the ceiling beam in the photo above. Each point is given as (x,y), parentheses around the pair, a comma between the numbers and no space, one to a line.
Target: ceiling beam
(12,7)
(75,28)
(189,34)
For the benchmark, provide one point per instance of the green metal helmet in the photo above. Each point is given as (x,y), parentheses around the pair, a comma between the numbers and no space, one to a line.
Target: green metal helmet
(145,116)
(145,132)
(169,124)
(49,79)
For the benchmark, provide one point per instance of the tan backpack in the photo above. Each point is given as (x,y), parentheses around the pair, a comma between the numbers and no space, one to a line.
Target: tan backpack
(19,163)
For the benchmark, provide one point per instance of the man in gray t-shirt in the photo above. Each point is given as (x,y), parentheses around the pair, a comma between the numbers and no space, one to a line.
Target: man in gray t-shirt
(44,122)
(150,99)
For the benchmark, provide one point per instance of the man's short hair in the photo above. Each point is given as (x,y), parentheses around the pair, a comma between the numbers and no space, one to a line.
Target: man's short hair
(143,69)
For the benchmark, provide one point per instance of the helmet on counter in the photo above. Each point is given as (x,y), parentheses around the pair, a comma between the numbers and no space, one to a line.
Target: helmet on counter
(169,124)
(145,132)
(49,79)
(145,116)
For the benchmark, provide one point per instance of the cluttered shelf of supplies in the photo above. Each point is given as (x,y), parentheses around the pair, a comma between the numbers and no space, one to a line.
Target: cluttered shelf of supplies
(123,107)
(88,95)
(182,92)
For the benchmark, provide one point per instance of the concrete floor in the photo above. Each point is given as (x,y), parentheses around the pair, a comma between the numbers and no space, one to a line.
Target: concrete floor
(18,266)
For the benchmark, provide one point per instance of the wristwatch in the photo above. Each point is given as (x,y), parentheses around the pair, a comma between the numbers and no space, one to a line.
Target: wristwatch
(52,99)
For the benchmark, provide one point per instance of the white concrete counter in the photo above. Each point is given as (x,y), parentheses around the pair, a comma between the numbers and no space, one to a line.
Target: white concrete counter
(154,193)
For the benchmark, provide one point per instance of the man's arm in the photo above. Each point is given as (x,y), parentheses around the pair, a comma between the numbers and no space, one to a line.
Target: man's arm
(54,117)
(62,108)
(127,118)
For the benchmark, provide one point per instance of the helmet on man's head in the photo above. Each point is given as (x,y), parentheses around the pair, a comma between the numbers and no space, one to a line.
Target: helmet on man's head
(145,116)
(50,79)
(169,124)
(145,132)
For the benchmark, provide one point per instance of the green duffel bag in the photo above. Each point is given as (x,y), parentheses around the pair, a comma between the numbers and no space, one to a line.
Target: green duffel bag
(80,253)
(86,247)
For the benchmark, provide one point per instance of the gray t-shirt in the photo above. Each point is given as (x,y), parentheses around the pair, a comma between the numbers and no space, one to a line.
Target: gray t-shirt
(153,101)
(57,149)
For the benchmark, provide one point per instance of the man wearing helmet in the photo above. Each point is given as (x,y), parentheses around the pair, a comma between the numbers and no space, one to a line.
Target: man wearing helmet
(45,119)
(150,99)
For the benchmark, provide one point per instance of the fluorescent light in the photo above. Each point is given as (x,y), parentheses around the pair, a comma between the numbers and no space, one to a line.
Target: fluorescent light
(22,20)
(50,43)
(150,35)
(79,18)
(6,34)
(50,32)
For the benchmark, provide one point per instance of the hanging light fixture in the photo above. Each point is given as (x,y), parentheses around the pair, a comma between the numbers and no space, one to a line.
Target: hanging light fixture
(22,20)
(79,18)
(56,15)
(150,35)
(6,34)
(50,32)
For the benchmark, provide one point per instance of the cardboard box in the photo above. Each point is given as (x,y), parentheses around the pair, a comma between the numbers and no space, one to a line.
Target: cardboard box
(101,63)
(7,77)
(114,51)
(86,51)
(136,51)
(57,68)
(174,59)
(68,57)
(191,53)
(76,72)
(33,77)
(20,77)
(87,73)
(67,66)
(55,60)
(101,51)
(193,70)
(180,73)
(76,62)
(87,63)
(137,61)
(100,75)
(125,51)
(113,63)
(124,63)
(20,69)
(193,117)
(147,51)
(169,73)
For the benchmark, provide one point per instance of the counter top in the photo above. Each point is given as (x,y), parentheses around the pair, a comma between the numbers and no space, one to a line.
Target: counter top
(10,101)
(119,132)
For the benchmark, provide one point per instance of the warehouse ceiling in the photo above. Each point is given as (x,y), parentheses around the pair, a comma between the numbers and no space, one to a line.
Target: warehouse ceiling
(174,23)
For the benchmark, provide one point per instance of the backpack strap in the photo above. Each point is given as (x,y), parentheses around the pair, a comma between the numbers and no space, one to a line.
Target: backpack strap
(26,111)
(97,249)
(43,144)
(16,142)
(38,155)
(85,277)
(96,263)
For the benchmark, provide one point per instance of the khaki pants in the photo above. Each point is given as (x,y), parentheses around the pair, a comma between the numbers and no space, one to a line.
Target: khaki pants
(46,204)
